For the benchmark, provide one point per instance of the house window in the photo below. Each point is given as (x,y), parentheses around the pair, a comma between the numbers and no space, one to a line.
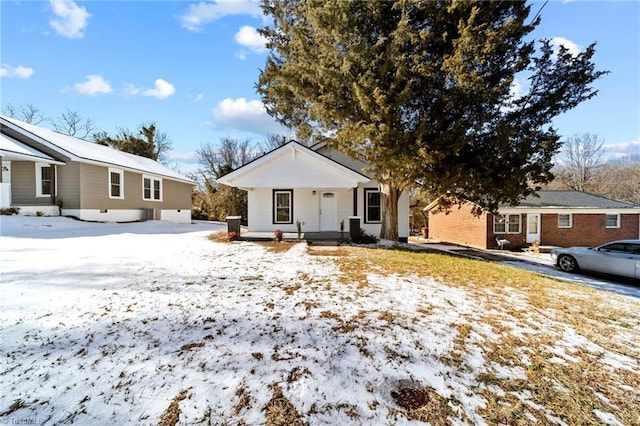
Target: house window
(116,183)
(565,221)
(151,188)
(506,224)
(612,221)
(43,180)
(283,206)
(372,206)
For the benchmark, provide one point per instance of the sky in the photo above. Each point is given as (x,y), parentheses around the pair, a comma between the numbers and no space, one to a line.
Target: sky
(93,336)
(191,67)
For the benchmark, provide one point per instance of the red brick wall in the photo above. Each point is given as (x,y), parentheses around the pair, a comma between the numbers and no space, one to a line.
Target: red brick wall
(459,226)
(516,241)
(587,230)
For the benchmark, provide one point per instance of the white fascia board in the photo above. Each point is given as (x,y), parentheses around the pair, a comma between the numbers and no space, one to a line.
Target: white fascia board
(132,170)
(14,156)
(294,149)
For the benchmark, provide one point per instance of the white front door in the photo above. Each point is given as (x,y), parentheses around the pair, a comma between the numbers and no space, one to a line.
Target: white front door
(533,227)
(328,211)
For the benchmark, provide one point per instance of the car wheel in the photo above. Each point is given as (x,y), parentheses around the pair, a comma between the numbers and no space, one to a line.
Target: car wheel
(567,263)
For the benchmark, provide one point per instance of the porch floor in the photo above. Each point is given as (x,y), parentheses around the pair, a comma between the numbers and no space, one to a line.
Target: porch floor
(311,237)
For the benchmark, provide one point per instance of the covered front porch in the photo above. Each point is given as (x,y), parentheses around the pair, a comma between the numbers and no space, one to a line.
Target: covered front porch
(28,179)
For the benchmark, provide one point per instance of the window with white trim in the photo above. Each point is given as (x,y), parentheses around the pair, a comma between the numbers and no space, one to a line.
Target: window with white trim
(283,206)
(565,221)
(372,206)
(43,180)
(116,183)
(506,224)
(612,221)
(151,188)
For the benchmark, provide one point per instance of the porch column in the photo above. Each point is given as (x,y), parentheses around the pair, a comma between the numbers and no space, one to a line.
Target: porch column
(54,189)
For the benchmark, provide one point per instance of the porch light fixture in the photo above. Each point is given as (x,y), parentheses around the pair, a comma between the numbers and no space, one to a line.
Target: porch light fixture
(313,192)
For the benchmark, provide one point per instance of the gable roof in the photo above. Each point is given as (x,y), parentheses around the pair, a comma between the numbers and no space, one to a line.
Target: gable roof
(13,149)
(561,200)
(572,199)
(293,165)
(69,148)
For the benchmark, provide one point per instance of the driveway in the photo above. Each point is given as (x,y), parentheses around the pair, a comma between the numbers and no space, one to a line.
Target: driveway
(542,264)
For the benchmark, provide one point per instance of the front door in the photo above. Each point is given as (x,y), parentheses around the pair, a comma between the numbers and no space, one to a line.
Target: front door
(533,227)
(328,211)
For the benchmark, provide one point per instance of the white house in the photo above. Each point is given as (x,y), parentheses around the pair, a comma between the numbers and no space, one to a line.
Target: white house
(318,186)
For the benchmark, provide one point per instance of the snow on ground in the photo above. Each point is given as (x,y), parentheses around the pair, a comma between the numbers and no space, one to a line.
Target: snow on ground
(109,323)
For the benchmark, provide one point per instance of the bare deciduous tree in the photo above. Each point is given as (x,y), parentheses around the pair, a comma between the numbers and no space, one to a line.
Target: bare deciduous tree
(216,160)
(72,123)
(580,157)
(28,113)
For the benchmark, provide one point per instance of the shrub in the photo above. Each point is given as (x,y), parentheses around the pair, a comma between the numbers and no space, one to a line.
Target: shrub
(198,213)
(364,238)
(9,211)
(277,234)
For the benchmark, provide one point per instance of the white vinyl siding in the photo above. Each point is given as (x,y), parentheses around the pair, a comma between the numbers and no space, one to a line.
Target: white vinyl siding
(506,224)
(565,221)
(116,183)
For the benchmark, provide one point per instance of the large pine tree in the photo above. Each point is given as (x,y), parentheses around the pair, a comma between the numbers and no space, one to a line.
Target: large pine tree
(423,91)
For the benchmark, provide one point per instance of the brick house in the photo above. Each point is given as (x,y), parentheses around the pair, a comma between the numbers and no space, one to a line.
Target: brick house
(554,218)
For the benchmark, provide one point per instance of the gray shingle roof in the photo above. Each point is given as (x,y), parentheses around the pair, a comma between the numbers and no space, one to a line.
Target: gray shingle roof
(573,199)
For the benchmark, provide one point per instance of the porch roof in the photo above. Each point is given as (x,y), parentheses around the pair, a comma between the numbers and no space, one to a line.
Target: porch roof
(14,150)
(293,166)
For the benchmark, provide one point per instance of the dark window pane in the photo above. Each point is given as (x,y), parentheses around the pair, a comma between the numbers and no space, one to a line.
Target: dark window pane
(156,189)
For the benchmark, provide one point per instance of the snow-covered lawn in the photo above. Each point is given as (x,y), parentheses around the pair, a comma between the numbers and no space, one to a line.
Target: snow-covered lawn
(153,323)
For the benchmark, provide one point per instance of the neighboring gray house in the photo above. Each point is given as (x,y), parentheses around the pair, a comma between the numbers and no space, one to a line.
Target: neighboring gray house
(45,171)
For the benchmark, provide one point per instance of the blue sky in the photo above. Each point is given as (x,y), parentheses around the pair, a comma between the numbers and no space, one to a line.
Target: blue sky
(192,66)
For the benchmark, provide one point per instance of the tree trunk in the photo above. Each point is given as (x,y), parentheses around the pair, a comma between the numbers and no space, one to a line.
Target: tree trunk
(389,196)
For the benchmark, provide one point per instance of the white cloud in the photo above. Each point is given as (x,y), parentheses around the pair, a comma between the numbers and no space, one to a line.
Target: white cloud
(250,38)
(624,149)
(18,72)
(198,15)
(94,85)
(70,20)
(243,115)
(163,89)
(131,90)
(573,48)
(183,157)
(197,98)
(516,89)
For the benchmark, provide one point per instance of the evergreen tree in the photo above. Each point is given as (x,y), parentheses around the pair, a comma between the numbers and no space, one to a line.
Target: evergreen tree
(148,142)
(422,90)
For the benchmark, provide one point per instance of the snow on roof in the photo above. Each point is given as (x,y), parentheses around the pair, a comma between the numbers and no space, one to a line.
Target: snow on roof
(85,151)
(10,147)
